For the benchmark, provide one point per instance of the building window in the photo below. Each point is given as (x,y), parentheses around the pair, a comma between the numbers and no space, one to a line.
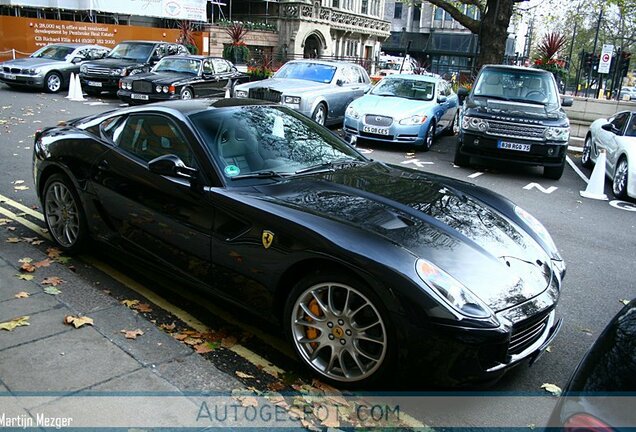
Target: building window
(416,13)
(398,11)
(335,3)
(439,14)
(365,7)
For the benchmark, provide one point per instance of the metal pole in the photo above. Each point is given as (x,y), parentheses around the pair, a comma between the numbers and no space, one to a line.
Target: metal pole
(406,51)
(567,76)
(598,26)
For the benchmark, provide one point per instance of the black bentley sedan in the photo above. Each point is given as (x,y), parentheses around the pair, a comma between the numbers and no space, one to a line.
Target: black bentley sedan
(364,265)
(181,77)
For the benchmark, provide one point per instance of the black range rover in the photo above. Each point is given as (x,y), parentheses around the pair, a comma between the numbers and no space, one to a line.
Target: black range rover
(127,58)
(514,113)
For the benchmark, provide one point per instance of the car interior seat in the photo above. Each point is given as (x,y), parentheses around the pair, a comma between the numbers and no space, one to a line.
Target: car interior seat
(492,85)
(534,90)
(236,146)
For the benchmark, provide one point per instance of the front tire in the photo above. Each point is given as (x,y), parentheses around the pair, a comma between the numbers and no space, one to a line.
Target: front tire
(586,157)
(64,214)
(429,137)
(53,82)
(187,93)
(339,329)
(92,92)
(619,183)
(320,114)
(460,160)
(554,173)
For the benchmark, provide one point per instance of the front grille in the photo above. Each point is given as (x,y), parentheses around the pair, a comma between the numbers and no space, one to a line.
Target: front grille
(96,70)
(515,130)
(527,332)
(12,70)
(142,86)
(265,94)
(378,120)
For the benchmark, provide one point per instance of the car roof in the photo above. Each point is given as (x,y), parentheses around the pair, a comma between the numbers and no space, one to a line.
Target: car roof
(325,62)
(514,68)
(146,42)
(427,78)
(192,56)
(193,106)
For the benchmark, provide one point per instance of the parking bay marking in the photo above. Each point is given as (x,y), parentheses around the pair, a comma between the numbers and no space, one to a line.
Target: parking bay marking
(184,316)
(475,175)
(531,186)
(417,162)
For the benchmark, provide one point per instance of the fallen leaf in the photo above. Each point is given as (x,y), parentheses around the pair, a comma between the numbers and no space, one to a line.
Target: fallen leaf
(180,336)
(192,341)
(17,182)
(548,349)
(13,240)
(77,321)
(228,342)
(22,294)
(332,416)
(15,322)
(4,221)
(552,388)
(63,259)
(21,188)
(27,239)
(143,307)
(275,386)
(37,242)
(27,267)
(247,401)
(53,280)
(44,263)
(168,327)
(25,260)
(586,330)
(53,252)
(52,290)
(132,334)
(130,303)
(206,347)
(23,276)
(625,302)
(243,375)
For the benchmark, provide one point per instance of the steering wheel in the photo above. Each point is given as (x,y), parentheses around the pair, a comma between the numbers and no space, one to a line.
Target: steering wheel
(535,94)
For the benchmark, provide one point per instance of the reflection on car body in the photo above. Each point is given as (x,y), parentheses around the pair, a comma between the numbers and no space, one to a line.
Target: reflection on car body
(363,264)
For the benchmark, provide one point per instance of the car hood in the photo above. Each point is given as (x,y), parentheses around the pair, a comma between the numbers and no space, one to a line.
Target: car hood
(31,62)
(433,219)
(372,104)
(163,78)
(511,110)
(284,85)
(114,63)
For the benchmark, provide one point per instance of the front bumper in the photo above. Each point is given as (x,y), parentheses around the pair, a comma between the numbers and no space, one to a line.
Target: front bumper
(397,133)
(129,96)
(100,82)
(545,153)
(22,79)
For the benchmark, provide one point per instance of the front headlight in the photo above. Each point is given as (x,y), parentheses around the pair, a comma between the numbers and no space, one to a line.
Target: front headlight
(451,290)
(240,93)
(294,100)
(83,69)
(557,134)
(166,89)
(32,71)
(413,120)
(158,89)
(538,228)
(128,85)
(474,123)
(351,112)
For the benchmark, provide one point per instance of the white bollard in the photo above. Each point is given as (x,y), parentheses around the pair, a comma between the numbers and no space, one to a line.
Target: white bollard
(596,186)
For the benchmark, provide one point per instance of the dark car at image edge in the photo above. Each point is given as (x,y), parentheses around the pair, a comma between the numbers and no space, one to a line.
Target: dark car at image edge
(364,265)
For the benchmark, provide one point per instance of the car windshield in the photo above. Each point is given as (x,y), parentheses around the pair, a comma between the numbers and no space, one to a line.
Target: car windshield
(389,65)
(519,85)
(271,140)
(182,65)
(53,52)
(307,71)
(631,128)
(405,88)
(131,51)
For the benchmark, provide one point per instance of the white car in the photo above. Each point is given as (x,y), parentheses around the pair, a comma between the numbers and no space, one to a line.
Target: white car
(617,135)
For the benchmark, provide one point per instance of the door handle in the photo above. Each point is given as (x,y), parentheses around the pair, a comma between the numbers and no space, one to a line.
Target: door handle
(103,165)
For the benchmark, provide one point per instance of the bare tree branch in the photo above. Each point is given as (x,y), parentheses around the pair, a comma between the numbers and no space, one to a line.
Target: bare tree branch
(470,23)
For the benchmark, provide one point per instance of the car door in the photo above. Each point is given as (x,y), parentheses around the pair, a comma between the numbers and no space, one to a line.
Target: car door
(444,113)
(347,88)
(160,218)
(207,84)
(222,75)
(607,140)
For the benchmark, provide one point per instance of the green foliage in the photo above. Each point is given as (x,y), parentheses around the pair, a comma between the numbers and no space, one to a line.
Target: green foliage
(236,53)
(248,25)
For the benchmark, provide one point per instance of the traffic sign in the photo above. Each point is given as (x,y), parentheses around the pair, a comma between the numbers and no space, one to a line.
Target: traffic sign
(606,59)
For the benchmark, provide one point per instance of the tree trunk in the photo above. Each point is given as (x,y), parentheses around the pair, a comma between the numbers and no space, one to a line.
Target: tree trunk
(494,32)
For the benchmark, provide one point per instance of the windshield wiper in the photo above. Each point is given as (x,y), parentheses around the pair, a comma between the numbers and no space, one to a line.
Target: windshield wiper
(261,174)
(329,166)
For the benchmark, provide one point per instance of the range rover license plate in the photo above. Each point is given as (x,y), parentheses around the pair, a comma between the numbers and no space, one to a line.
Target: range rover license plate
(94,83)
(375,130)
(138,96)
(513,146)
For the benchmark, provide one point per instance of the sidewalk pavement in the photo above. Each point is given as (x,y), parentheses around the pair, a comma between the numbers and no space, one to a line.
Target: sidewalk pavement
(50,358)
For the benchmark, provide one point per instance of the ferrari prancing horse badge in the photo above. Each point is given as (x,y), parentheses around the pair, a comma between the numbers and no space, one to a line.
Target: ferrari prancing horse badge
(268,238)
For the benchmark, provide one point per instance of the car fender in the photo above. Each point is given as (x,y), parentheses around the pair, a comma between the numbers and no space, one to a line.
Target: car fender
(318,100)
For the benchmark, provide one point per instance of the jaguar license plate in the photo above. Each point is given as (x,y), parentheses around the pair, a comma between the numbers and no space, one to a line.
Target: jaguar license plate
(513,146)
(10,76)
(139,96)
(375,130)
(94,84)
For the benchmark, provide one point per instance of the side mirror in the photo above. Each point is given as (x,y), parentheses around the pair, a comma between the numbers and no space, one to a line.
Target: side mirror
(339,83)
(610,128)
(462,93)
(441,99)
(172,166)
(77,60)
(207,76)
(567,101)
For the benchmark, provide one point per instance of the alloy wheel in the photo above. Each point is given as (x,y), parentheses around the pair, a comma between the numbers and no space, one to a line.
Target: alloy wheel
(62,214)
(339,332)
(586,157)
(319,114)
(186,94)
(53,83)
(620,179)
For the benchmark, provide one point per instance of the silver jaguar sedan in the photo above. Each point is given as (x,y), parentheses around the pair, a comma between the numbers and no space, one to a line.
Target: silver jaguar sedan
(50,67)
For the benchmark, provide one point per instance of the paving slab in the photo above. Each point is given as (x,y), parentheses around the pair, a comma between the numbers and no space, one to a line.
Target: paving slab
(65,362)
(41,325)
(151,348)
(9,284)
(194,373)
(141,380)
(38,302)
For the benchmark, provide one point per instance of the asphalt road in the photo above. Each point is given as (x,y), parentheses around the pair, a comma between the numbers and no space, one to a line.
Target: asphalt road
(595,238)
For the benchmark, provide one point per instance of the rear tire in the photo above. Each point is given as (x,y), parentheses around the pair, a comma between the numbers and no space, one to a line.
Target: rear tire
(586,157)
(460,160)
(554,173)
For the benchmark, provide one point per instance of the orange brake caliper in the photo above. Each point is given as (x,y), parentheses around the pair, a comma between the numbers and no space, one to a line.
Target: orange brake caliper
(311,332)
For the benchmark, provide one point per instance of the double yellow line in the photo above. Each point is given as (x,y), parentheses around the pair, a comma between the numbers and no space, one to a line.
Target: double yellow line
(153,297)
